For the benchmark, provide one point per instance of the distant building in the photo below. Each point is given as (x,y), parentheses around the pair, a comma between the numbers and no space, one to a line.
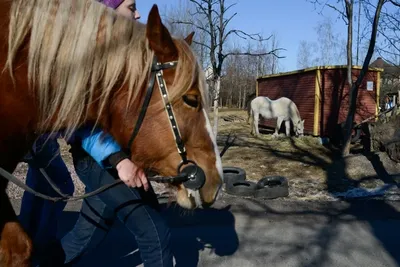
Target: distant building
(322,96)
(390,72)
(390,78)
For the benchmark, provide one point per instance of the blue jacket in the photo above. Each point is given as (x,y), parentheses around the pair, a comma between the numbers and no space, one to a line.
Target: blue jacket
(96,143)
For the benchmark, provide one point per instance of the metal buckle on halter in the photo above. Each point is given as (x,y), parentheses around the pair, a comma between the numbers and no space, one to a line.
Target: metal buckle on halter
(162,66)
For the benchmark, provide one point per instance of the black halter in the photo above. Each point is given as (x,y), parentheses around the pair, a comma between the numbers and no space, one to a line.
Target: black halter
(192,176)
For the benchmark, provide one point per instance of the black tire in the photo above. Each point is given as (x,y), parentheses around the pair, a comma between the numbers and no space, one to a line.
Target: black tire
(271,187)
(241,188)
(233,174)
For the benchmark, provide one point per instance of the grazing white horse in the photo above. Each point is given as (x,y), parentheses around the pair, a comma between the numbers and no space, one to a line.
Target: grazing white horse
(283,109)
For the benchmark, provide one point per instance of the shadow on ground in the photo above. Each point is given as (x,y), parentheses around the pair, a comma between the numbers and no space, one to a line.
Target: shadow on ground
(358,233)
(338,234)
(192,232)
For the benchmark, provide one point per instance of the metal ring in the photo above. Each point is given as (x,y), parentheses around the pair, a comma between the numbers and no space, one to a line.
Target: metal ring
(183,163)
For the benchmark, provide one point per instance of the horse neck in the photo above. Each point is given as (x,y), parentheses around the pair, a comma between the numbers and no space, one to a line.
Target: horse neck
(295,115)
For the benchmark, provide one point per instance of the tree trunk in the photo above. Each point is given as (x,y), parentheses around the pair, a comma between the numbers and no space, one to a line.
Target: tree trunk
(217,86)
(238,104)
(352,94)
(363,72)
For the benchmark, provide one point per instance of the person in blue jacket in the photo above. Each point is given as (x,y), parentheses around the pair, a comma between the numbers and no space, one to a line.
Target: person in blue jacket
(39,216)
(99,160)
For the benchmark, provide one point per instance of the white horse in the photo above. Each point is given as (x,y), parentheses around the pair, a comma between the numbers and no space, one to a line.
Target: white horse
(283,109)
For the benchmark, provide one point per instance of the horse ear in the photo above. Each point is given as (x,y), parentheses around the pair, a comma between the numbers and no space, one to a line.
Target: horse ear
(189,38)
(160,40)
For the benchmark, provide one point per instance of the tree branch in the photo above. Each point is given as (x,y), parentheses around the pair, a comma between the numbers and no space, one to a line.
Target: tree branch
(202,44)
(272,52)
(337,9)
(191,24)
(395,3)
(251,36)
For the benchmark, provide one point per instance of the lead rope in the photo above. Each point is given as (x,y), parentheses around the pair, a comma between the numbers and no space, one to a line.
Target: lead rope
(64,197)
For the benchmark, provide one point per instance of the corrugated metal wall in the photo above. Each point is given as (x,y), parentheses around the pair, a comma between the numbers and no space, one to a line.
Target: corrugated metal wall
(297,87)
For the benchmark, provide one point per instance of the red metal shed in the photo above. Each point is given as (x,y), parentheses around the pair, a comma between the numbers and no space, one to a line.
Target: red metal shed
(321,95)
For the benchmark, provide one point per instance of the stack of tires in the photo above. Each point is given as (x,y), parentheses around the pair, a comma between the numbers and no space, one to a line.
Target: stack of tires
(268,187)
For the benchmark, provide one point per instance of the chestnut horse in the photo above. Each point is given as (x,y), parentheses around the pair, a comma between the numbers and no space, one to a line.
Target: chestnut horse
(69,63)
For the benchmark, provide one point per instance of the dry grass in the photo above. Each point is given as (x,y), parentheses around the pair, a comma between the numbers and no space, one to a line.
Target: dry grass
(311,168)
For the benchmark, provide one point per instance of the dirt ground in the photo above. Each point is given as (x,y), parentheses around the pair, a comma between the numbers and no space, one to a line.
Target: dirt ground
(311,168)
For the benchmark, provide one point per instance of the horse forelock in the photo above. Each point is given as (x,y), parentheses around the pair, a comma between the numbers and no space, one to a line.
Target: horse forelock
(79,50)
(188,73)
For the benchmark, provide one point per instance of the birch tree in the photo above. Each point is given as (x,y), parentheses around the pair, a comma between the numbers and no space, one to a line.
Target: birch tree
(213,18)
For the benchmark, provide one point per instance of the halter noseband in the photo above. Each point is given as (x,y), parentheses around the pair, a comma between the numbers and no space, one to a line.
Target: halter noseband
(192,176)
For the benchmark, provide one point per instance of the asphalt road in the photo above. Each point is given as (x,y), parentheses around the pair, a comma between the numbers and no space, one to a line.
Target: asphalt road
(243,233)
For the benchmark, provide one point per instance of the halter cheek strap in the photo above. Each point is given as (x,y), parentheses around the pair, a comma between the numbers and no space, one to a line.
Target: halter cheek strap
(192,176)
(170,112)
(157,74)
(145,105)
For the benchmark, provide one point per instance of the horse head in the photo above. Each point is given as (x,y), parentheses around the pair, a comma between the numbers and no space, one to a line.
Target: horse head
(299,128)
(175,132)
(115,67)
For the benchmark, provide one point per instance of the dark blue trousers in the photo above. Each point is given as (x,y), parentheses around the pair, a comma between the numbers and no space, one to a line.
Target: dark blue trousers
(135,208)
(38,216)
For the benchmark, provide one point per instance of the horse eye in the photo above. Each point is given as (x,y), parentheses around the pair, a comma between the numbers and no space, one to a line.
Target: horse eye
(191,100)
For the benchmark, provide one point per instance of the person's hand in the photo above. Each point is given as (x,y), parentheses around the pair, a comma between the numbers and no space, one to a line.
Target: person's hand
(131,175)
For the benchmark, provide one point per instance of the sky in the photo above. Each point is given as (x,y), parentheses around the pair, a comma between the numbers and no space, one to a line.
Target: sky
(291,20)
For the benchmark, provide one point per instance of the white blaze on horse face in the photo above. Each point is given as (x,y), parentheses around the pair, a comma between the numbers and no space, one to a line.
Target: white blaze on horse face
(218,162)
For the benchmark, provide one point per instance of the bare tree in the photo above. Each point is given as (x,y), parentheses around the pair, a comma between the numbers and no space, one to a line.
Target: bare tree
(211,17)
(272,58)
(327,42)
(347,15)
(329,49)
(354,89)
(237,83)
(389,28)
(358,31)
(304,55)
(183,11)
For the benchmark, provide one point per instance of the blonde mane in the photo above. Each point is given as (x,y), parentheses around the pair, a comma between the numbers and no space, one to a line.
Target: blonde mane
(79,51)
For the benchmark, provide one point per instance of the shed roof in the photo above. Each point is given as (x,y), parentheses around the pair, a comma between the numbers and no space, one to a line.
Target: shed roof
(316,68)
(389,69)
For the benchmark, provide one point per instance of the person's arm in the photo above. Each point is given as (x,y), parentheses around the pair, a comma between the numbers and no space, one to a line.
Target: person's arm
(103,148)
(108,154)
